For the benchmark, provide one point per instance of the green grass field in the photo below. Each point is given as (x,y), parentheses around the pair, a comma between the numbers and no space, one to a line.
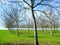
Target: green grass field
(27,38)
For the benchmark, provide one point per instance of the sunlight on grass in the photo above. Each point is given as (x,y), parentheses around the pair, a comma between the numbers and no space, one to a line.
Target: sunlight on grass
(24,36)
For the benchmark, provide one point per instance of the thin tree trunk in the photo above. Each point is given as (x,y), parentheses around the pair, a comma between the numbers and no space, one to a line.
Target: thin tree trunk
(36,35)
(54,28)
(17,33)
(51,33)
(42,29)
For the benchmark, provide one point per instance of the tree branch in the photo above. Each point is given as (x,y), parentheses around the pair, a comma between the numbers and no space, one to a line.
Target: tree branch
(38,3)
(50,5)
(27,3)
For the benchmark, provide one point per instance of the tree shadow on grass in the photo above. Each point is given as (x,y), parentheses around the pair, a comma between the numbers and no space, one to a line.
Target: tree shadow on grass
(17,44)
(56,35)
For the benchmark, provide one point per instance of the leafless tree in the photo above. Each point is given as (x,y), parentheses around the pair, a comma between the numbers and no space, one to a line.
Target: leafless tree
(33,4)
(12,18)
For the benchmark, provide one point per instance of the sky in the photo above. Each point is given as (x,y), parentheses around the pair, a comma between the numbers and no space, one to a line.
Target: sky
(29,12)
(1,12)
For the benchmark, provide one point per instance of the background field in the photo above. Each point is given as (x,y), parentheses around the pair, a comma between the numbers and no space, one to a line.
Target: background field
(27,37)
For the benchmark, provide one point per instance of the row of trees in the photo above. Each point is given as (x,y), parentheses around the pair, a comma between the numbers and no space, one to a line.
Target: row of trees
(36,8)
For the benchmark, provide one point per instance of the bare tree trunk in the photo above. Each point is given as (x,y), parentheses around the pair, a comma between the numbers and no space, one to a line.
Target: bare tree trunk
(54,28)
(17,32)
(36,35)
(28,29)
(51,33)
(42,28)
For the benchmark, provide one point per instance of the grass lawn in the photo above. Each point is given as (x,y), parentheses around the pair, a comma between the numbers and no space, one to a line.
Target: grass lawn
(27,38)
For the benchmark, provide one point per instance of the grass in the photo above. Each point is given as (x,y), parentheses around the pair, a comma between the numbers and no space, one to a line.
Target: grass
(27,38)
